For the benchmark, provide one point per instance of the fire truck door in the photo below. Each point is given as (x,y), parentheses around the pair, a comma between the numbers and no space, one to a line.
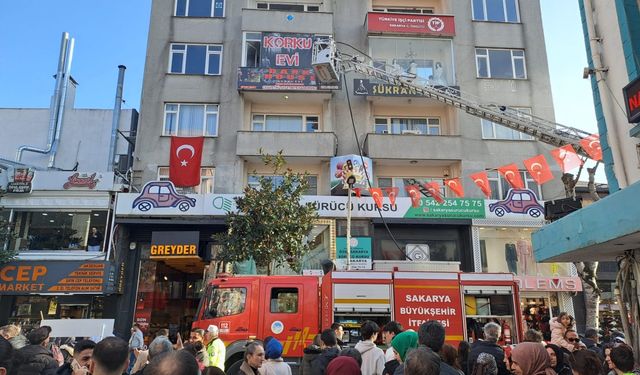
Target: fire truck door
(286,316)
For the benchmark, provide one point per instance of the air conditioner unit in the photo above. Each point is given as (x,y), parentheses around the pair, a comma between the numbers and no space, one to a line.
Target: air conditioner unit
(414,132)
(418,251)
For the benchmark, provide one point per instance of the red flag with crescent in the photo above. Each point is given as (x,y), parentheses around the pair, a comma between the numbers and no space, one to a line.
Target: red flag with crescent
(392,193)
(482,180)
(434,189)
(591,145)
(414,194)
(511,173)
(358,191)
(539,169)
(184,161)
(376,194)
(566,157)
(456,186)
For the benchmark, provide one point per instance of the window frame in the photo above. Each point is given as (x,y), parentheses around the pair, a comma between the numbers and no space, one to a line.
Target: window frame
(487,57)
(213,9)
(496,180)
(422,179)
(305,119)
(245,40)
(389,124)
(504,9)
(494,126)
(206,113)
(404,10)
(208,53)
(204,180)
(304,5)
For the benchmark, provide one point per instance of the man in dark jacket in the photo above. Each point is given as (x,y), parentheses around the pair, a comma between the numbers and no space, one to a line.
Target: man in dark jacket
(489,346)
(591,341)
(36,358)
(330,350)
(311,352)
(431,334)
(82,352)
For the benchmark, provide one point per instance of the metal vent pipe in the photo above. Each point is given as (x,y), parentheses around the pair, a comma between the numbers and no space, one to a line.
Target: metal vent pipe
(116,118)
(63,99)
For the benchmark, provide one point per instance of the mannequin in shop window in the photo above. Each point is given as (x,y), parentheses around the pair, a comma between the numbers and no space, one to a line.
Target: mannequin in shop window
(511,255)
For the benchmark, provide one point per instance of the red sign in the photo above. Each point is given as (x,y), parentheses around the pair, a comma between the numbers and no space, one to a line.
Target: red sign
(76,180)
(421,300)
(411,24)
(632,100)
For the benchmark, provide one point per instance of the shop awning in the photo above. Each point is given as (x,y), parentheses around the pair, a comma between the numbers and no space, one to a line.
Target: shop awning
(600,231)
(57,200)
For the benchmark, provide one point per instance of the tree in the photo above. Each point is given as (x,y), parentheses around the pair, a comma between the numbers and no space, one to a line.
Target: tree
(270,225)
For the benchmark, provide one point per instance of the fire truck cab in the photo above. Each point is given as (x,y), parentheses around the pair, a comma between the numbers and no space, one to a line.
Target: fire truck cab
(294,309)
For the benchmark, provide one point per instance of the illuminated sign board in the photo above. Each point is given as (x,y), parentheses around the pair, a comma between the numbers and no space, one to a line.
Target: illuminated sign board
(632,100)
(174,245)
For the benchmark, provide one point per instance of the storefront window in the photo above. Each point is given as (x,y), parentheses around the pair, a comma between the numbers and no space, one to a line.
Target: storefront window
(510,250)
(27,311)
(54,230)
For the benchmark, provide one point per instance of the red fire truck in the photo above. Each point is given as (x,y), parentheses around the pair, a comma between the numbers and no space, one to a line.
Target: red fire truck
(294,309)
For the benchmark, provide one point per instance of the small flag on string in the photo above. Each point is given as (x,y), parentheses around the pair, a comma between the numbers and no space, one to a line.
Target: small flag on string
(434,189)
(539,169)
(456,186)
(591,145)
(376,194)
(392,193)
(511,173)
(414,194)
(566,157)
(358,191)
(482,180)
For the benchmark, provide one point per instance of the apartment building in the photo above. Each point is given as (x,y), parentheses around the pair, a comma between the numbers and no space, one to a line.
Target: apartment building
(239,73)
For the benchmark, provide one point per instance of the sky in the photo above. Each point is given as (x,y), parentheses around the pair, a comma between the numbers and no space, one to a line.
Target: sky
(114,32)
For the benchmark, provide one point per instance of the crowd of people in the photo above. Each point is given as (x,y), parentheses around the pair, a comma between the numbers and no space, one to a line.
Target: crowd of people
(408,352)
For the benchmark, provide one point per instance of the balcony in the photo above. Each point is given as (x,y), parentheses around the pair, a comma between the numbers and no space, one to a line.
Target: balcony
(413,147)
(378,23)
(292,144)
(287,21)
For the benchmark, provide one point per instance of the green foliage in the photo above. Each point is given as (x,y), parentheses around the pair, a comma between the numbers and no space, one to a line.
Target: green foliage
(6,235)
(271,225)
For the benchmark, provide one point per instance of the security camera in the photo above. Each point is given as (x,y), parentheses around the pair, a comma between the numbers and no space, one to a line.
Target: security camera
(586,72)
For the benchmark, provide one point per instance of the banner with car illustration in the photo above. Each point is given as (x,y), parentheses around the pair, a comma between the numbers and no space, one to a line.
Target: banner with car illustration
(160,198)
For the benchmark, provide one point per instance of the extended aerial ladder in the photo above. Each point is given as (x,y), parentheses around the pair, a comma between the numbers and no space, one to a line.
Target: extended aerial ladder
(329,64)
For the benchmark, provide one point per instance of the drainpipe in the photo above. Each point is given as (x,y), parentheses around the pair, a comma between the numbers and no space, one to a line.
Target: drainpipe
(55,101)
(63,97)
(116,118)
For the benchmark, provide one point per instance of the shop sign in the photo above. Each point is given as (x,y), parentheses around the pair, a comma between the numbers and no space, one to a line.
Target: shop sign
(26,277)
(174,245)
(421,300)
(451,208)
(367,88)
(411,24)
(548,284)
(632,100)
(21,181)
(360,253)
(345,167)
(81,181)
(281,79)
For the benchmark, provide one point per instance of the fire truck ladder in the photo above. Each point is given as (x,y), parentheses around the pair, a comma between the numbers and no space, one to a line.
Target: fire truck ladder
(329,63)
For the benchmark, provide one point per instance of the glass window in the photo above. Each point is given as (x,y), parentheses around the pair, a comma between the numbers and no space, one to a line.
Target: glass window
(191,120)
(252,43)
(196,59)
(495,10)
(49,230)
(500,187)
(221,302)
(254,182)
(200,8)
(288,7)
(491,130)
(401,182)
(500,63)
(284,123)
(206,181)
(404,10)
(423,126)
(284,300)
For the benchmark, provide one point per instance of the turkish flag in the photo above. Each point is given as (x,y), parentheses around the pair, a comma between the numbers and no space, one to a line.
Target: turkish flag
(392,193)
(456,186)
(482,180)
(184,161)
(566,157)
(434,189)
(539,169)
(358,191)
(511,173)
(591,145)
(414,194)
(376,194)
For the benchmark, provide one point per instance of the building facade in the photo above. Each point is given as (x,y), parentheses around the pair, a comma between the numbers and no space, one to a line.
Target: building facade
(239,73)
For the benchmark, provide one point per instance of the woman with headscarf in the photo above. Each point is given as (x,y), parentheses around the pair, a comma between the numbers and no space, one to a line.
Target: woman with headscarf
(530,358)
(402,343)
(558,360)
(485,365)
(343,365)
(274,364)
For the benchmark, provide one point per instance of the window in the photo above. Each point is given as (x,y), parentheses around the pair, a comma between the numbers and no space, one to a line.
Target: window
(199,8)
(500,63)
(289,7)
(206,181)
(190,120)
(424,126)
(500,187)
(284,123)
(221,302)
(496,10)
(401,182)
(196,59)
(404,10)
(491,130)
(284,300)
(252,44)
(312,188)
